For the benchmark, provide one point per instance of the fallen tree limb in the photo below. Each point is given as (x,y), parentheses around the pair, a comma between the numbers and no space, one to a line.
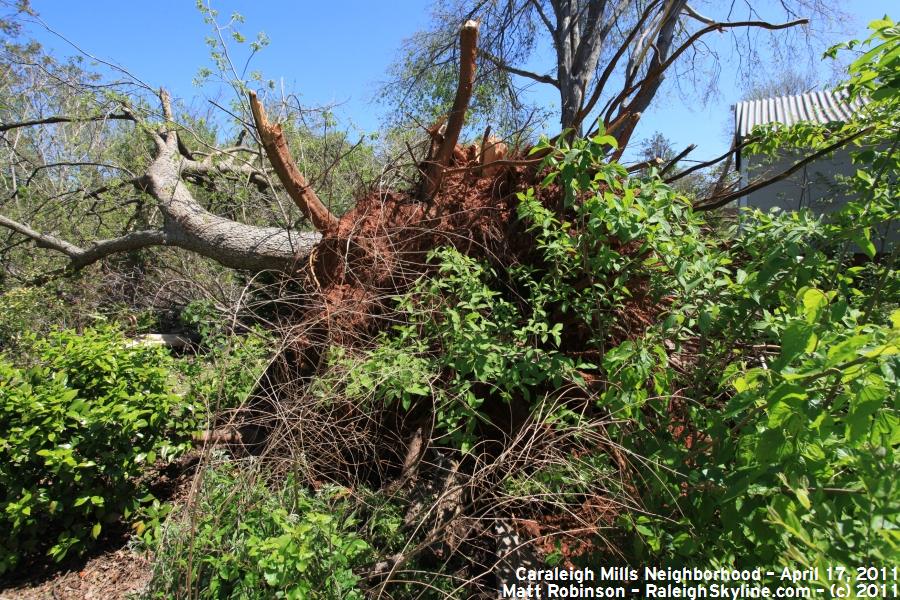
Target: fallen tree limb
(291,178)
(717,202)
(186,225)
(712,161)
(66,119)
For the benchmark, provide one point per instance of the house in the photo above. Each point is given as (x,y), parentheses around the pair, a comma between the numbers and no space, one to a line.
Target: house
(815,186)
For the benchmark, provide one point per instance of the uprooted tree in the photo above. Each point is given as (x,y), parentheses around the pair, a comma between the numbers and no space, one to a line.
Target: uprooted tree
(464,320)
(644,41)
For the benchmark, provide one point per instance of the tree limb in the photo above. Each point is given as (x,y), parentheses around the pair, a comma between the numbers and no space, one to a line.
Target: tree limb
(711,203)
(65,119)
(713,161)
(692,12)
(43,240)
(543,16)
(656,71)
(645,89)
(674,161)
(468,50)
(82,257)
(610,67)
(516,71)
(134,240)
(231,243)
(275,145)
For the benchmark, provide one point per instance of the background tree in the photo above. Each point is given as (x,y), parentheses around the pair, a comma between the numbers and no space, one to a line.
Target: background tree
(606,59)
(144,172)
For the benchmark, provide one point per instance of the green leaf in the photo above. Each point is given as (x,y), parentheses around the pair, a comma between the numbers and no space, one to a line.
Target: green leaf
(796,339)
(862,238)
(813,302)
(863,405)
(784,401)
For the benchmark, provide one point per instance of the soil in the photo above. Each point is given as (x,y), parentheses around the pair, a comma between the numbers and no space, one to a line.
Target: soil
(112,575)
(112,570)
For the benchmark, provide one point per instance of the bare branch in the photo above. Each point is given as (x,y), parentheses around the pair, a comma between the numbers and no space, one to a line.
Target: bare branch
(468,50)
(166,101)
(43,240)
(692,12)
(610,67)
(66,119)
(679,156)
(82,257)
(544,18)
(516,71)
(713,161)
(655,72)
(653,162)
(292,179)
(711,203)
(134,240)
(645,89)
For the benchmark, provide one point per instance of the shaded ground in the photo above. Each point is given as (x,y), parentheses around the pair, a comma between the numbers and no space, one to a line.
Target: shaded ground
(110,576)
(110,571)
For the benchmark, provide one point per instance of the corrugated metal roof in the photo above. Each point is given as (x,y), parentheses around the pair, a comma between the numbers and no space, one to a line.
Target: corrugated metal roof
(817,107)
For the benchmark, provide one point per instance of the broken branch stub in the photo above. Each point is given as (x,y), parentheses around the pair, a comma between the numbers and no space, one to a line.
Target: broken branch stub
(468,50)
(291,178)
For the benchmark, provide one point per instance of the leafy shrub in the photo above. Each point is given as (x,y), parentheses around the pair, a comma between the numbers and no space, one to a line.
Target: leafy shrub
(244,539)
(797,416)
(462,330)
(29,310)
(466,338)
(224,375)
(226,370)
(76,430)
(761,398)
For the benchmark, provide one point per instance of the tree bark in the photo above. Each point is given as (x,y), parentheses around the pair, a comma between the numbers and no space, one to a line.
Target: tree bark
(188,225)
(291,178)
(468,51)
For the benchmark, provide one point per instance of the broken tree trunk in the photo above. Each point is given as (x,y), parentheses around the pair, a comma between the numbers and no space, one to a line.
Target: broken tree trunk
(275,145)
(468,49)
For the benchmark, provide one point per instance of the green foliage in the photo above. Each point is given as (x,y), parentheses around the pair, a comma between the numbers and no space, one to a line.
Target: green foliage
(462,330)
(245,539)
(224,376)
(791,455)
(24,311)
(762,399)
(226,371)
(797,464)
(620,232)
(76,430)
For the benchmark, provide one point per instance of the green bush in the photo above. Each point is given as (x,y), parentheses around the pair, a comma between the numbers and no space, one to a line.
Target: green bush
(76,431)
(226,370)
(30,310)
(474,328)
(758,396)
(245,539)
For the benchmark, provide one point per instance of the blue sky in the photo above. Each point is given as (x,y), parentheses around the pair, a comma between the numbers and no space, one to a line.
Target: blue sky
(334,52)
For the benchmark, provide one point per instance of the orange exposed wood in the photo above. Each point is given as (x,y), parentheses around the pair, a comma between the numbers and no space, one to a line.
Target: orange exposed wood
(468,50)
(291,178)
(492,151)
